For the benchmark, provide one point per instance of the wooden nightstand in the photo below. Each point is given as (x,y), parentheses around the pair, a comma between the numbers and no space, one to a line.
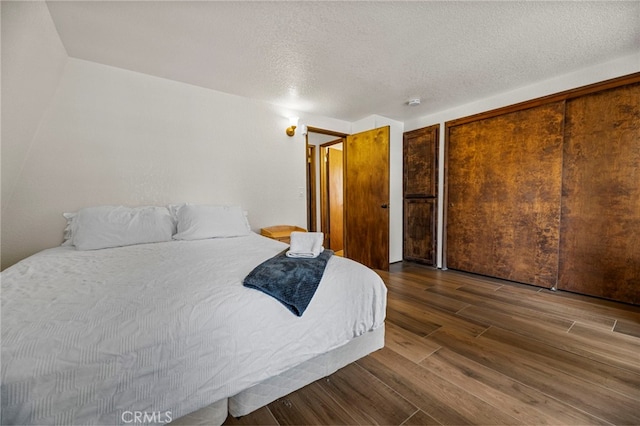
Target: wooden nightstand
(281,232)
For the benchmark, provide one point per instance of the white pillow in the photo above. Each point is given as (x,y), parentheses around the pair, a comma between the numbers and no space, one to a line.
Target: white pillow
(68,230)
(197,222)
(115,226)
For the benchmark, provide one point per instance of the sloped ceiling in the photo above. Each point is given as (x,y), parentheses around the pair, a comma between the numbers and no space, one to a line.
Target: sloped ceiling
(346,59)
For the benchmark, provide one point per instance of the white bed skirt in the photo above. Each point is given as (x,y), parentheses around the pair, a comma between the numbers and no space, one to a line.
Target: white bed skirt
(308,372)
(291,380)
(214,414)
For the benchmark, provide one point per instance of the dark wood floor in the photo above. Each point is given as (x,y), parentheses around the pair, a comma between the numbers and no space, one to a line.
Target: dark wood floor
(462,349)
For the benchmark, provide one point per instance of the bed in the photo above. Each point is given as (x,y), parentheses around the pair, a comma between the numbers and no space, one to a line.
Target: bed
(153,332)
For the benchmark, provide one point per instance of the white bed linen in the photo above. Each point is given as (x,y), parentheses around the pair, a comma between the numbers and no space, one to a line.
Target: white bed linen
(165,327)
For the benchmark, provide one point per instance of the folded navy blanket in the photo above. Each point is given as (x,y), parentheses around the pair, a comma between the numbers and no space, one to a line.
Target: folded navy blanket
(292,281)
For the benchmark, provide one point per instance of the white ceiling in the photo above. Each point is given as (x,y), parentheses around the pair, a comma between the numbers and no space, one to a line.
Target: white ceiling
(351,59)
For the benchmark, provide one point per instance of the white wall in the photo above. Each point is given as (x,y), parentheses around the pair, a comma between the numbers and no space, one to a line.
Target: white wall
(33,61)
(112,136)
(396,129)
(595,74)
(608,70)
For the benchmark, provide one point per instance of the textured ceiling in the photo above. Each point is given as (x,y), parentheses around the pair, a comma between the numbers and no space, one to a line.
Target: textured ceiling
(348,60)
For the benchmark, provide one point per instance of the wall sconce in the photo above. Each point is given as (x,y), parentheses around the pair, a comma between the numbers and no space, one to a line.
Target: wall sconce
(293,123)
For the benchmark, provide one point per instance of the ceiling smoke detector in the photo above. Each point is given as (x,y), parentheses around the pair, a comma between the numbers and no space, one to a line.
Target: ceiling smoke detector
(414,102)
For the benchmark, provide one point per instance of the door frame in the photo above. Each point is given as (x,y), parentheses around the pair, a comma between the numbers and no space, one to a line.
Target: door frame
(311,187)
(351,138)
(312,182)
(325,216)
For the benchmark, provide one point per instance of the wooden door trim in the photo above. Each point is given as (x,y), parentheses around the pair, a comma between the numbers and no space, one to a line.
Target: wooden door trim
(313,185)
(324,203)
(326,132)
(312,218)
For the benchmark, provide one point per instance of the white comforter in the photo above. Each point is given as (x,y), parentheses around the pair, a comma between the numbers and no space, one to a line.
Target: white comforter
(92,336)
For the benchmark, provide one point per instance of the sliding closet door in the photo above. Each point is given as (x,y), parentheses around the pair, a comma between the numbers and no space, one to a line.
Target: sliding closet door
(504,195)
(600,246)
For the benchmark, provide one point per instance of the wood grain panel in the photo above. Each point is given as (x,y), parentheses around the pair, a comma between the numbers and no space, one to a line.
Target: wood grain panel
(420,192)
(420,154)
(335,166)
(503,195)
(420,418)
(518,362)
(501,391)
(600,247)
(420,230)
(407,344)
(432,393)
(366,198)
(310,405)
(370,401)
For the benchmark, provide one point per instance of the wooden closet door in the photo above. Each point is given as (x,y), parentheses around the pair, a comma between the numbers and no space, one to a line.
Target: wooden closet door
(600,244)
(420,230)
(420,192)
(504,195)
(420,162)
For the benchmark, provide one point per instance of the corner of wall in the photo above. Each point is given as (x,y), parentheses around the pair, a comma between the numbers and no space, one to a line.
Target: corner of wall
(33,62)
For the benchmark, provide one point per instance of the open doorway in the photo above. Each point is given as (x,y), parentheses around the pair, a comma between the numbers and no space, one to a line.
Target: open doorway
(325,186)
(365,183)
(332,194)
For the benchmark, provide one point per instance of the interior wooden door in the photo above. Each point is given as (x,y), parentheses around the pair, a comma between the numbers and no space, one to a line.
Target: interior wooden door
(335,197)
(366,175)
(600,246)
(420,161)
(420,230)
(420,193)
(504,177)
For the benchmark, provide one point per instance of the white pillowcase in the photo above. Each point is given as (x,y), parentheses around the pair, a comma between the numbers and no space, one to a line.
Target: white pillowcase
(68,231)
(197,222)
(95,228)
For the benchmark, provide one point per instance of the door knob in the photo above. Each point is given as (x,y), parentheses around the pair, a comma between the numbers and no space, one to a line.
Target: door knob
(385,206)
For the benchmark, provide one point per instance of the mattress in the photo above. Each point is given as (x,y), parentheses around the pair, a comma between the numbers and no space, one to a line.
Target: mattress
(162,330)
